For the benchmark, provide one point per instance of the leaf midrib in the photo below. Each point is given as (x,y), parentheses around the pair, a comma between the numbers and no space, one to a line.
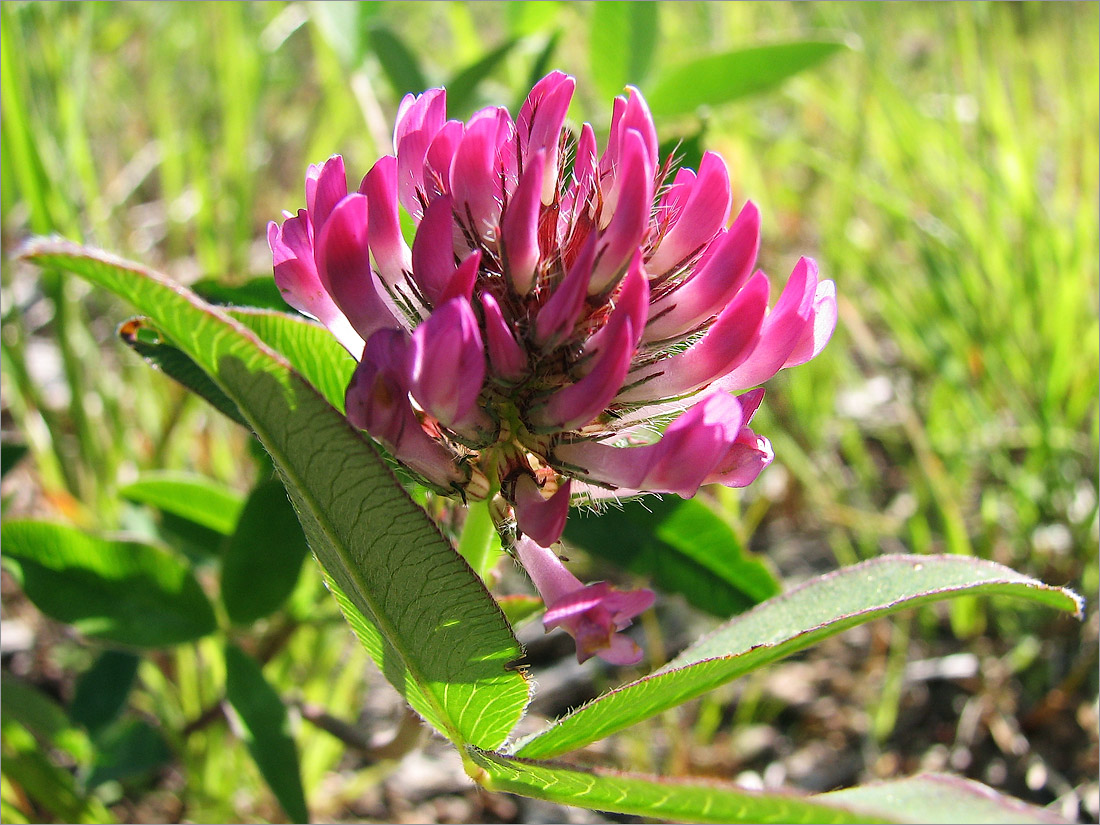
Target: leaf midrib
(318,512)
(156,281)
(778,649)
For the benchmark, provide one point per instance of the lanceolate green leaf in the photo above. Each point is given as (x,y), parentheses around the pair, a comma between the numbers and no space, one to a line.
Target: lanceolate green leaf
(50,790)
(437,635)
(196,513)
(651,796)
(310,348)
(262,561)
(120,591)
(820,608)
(102,690)
(926,798)
(256,292)
(40,714)
(721,78)
(266,730)
(936,798)
(129,750)
(143,338)
(193,497)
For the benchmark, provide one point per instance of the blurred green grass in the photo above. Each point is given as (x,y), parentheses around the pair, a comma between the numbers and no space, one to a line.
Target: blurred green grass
(943,171)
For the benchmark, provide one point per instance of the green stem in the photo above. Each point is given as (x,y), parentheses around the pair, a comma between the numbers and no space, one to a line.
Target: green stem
(477,544)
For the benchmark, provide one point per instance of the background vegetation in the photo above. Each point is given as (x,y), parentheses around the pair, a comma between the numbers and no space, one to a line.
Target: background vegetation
(943,169)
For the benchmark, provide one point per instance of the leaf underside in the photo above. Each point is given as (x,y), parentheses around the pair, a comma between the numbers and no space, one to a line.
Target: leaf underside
(426,619)
(926,798)
(793,621)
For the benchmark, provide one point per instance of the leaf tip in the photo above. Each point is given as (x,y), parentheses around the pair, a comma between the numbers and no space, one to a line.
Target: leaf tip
(1078,603)
(37,245)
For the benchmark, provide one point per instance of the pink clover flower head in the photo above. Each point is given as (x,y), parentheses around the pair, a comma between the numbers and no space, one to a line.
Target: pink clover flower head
(593,615)
(568,324)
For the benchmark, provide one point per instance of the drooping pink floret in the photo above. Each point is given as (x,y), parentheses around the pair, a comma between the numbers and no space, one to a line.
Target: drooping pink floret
(555,302)
(592,614)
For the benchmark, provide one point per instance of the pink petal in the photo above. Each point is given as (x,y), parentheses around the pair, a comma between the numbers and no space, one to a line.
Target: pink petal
(410,171)
(610,158)
(744,461)
(558,317)
(462,280)
(440,155)
(790,320)
(392,257)
(377,395)
(418,121)
(508,160)
(575,603)
(448,365)
(690,449)
(506,357)
(520,228)
(585,164)
(704,212)
(475,174)
(575,405)
(608,354)
(693,445)
(296,277)
(539,126)
(343,266)
(547,572)
(543,519)
(433,256)
(815,338)
(671,202)
(377,401)
(728,342)
(326,186)
(592,615)
(627,113)
(630,224)
(425,112)
(638,117)
(623,467)
(728,263)
(373,403)
(621,650)
(624,605)
(750,403)
(632,299)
